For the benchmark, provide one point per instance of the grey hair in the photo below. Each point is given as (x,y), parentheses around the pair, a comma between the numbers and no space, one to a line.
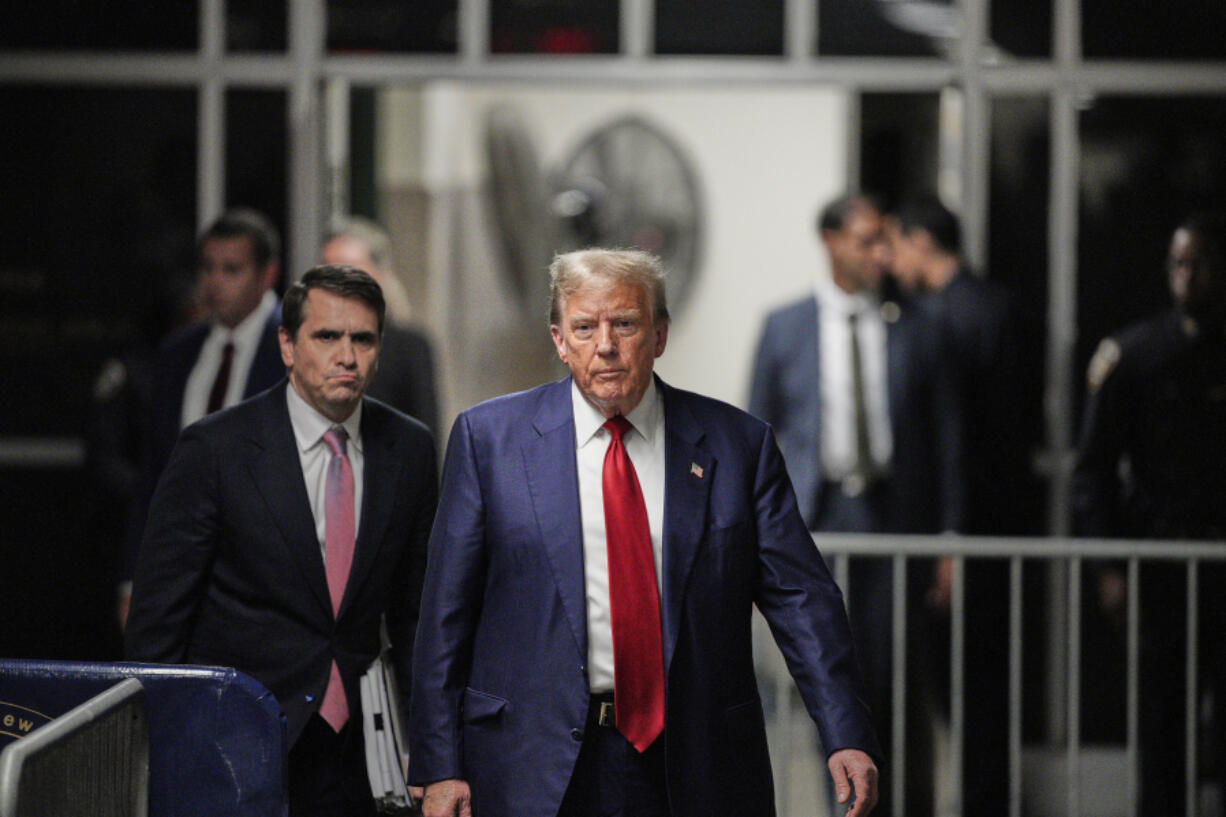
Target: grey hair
(572,271)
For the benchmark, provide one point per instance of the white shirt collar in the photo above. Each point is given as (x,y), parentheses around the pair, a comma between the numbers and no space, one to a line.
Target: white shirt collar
(247,333)
(645,417)
(310,426)
(832,297)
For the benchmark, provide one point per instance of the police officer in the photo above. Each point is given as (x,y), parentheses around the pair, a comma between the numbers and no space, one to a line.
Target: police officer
(1150,465)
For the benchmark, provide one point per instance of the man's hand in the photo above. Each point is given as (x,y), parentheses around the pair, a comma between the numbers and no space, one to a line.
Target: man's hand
(853,768)
(451,798)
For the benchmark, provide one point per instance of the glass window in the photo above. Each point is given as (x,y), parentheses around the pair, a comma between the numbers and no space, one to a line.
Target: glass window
(256,157)
(255,25)
(898,144)
(554,26)
(1145,164)
(1022,28)
(1142,29)
(879,28)
(730,27)
(124,25)
(99,211)
(420,26)
(1020,170)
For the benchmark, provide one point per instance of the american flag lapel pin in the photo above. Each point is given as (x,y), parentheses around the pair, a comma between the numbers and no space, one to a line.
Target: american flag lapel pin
(696,469)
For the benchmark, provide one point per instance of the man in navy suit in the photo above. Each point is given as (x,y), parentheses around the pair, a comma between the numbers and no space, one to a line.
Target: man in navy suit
(215,363)
(259,555)
(529,698)
(857,389)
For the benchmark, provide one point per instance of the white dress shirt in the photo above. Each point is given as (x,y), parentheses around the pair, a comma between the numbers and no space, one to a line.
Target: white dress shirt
(246,340)
(314,455)
(838,442)
(645,447)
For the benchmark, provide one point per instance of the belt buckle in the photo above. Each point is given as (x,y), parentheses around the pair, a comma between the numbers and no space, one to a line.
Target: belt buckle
(607,714)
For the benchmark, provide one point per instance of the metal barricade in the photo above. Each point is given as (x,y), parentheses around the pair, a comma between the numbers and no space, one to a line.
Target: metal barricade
(1064,559)
(93,759)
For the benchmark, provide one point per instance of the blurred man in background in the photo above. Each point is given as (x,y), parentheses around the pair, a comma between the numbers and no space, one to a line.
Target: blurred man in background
(867,417)
(216,363)
(406,361)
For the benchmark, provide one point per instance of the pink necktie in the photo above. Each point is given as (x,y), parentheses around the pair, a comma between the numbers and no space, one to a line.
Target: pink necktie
(338,556)
(634,601)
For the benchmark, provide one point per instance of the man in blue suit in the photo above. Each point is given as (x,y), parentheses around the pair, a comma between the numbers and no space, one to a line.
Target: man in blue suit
(858,391)
(531,695)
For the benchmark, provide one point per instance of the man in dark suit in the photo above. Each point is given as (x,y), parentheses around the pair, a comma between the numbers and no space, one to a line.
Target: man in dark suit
(977,329)
(216,363)
(406,360)
(863,404)
(285,528)
(584,645)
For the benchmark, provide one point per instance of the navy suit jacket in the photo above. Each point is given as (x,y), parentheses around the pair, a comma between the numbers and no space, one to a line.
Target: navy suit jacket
(926,486)
(231,574)
(500,689)
(175,360)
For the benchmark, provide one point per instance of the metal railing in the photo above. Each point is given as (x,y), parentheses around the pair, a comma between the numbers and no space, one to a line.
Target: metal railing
(1066,557)
(94,759)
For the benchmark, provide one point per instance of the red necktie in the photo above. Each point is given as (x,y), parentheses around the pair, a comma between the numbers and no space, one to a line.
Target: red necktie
(634,602)
(221,383)
(338,557)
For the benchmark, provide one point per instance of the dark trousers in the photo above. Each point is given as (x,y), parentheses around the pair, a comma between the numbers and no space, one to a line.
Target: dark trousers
(327,772)
(611,778)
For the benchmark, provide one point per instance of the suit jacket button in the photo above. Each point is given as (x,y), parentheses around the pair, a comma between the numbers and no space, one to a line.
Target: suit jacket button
(577,734)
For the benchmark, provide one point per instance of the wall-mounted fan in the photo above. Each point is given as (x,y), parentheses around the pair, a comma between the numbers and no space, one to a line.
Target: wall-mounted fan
(626,184)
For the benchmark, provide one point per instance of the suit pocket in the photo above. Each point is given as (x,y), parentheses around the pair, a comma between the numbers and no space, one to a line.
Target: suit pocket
(481,706)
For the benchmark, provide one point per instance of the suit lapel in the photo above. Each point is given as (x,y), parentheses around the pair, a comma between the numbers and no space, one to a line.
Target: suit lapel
(277,472)
(549,460)
(688,473)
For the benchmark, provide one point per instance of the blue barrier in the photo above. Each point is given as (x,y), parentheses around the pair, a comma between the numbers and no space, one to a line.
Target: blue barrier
(216,736)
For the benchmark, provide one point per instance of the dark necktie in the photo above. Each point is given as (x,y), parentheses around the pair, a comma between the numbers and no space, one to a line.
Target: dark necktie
(217,397)
(862,469)
(634,601)
(338,557)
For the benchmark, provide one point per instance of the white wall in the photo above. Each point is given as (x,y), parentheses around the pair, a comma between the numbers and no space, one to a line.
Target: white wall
(765,158)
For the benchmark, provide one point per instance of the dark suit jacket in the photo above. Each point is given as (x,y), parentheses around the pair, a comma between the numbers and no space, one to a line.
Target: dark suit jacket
(175,360)
(500,687)
(926,484)
(979,333)
(405,378)
(230,572)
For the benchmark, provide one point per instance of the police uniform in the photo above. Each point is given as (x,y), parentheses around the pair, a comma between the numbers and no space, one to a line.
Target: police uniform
(1152,464)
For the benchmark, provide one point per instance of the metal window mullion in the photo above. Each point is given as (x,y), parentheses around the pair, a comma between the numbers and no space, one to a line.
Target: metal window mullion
(211,115)
(1133,689)
(1190,690)
(474,32)
(975,175)
(799,30)
(957,680)
(637,29)
(898,677)
(307,32)
(1074,688)
(1015,686)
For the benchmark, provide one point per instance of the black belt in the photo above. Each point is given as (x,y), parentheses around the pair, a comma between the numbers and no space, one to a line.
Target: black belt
(601,711)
